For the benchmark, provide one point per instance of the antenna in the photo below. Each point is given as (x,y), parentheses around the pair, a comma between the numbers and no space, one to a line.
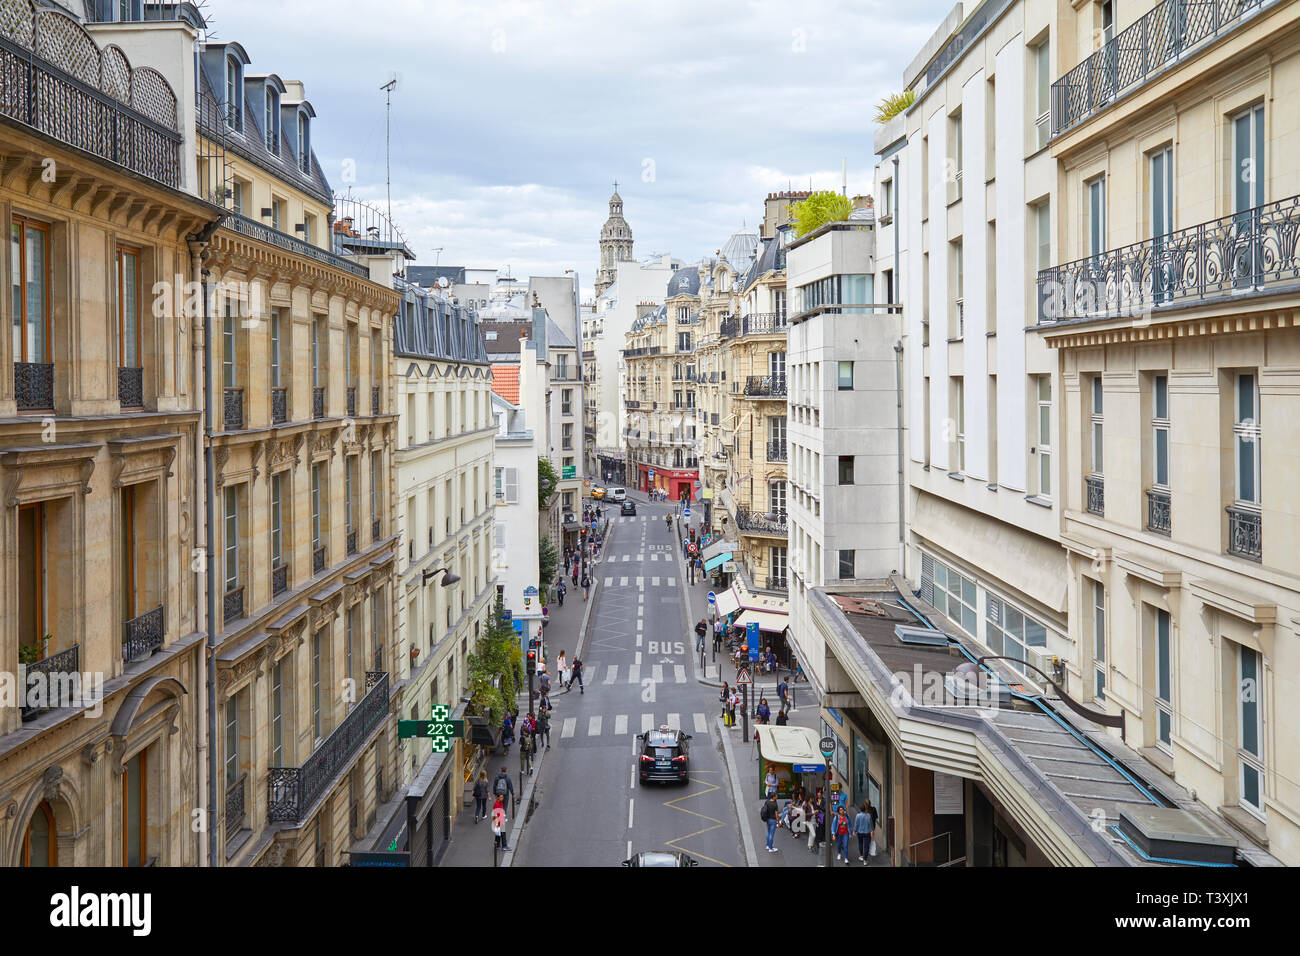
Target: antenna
(844,174)
(437,257)
(388,116)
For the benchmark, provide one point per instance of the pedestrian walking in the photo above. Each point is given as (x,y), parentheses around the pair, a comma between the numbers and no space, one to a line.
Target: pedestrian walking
(700,630)
(559,591)
(764,713)
(507,732)
(544,682)
(863,824)
(577,675)
(783,692)
(561,668)
(544,723)
(499,837)
(717,635)
(502,785)
(586,586)
(782,719)
(482,790)
(842,828)
(768,814)
(575,572)
(526,747)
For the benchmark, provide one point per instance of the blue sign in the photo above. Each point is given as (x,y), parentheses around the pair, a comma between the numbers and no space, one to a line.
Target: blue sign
(509,614)
(713,598)
(686,512)
(518,626)
(808,768)
(753,640)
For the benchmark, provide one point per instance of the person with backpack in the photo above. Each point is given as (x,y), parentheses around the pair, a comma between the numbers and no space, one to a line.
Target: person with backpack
(526,751)
(481,792)
(544,682)
(503,786)
(507,732)
(577,675)
(768,814)
(499,835)
(863,825)
(842,827)
(544,724)
(586,584)
(783,692)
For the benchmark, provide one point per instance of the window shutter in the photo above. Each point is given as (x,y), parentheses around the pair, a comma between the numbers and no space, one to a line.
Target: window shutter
(927,578)
(512,486)
(500,544)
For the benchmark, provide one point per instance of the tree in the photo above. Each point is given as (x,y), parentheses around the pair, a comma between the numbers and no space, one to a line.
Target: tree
(547,480)
(548,560)
(893,104)
(819,209)
(497,655)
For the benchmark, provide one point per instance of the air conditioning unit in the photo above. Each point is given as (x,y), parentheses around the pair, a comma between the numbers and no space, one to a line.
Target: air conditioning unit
(1045,661)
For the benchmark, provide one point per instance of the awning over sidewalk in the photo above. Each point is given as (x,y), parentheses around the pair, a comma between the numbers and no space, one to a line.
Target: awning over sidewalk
(716,560)
(717,547)
(727,602)
(767,620)
(798,746)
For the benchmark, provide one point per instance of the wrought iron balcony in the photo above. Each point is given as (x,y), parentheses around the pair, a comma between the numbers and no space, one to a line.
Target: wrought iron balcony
(352,401)
(728,327)
(280,579)
(1159,513)
(279,406)
(143,635)
(1250,251)
(46,687)
(256,230)
(233,404)
(1245,533)
(763,323)
(318,560)
(1134,56)
(776,450)
(713,418)
(318,402)
(758,523)
(646,350)
(777,583)
(765,386)
(236,806)
(293,791)
(1095,493)
(130,387)
(352,542)
(233,605)
(379,658)
(374,400)
(34,384)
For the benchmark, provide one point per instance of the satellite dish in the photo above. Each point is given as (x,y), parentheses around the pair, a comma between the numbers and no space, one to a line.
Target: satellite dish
(442,282)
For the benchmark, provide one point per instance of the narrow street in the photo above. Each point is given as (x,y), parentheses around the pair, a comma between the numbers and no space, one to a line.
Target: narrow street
(590,809)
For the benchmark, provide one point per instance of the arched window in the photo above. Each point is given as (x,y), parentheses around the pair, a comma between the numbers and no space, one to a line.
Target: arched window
(40,845)
(272,124)
(304,143)
(234,99)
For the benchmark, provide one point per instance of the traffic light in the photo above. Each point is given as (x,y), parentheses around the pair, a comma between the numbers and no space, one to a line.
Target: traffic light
(532,662)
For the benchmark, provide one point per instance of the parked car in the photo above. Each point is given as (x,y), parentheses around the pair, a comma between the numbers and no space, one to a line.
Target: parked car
(628,507)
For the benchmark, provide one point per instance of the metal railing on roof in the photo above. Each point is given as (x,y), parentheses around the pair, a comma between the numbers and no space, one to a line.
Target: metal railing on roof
(256,230)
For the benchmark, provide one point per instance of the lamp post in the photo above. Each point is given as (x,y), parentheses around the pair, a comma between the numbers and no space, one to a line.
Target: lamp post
(450,576)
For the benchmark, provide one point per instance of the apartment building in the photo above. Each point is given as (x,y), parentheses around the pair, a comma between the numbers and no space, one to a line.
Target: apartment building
(100,445)
(1167,306)
(515,537)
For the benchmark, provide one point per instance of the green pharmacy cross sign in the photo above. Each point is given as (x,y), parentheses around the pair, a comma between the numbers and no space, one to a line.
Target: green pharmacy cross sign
(440,730)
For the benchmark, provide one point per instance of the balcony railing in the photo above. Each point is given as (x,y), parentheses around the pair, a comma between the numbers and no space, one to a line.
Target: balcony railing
(318,402)
(256,230)
(646,350)
(763,323)
(1160,38)
(777,583)
(766,386)
(318,560)
(39,94)
(1159,513)
(1095,493)
(1245,533)
(352,401)
(754,521)
(34,385)
(279,406)
(280,579)
(233,416)
(292,791)
(51,689)
(143,635)
(776,450)
(233,605)
(728,328)
(1250,251)
(352,542)
(130,387)
(236,806)
(713,418)
(374,400)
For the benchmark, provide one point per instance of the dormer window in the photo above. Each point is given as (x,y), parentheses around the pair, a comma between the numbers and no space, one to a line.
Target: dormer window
(234,90)
(304,143)
(272,124)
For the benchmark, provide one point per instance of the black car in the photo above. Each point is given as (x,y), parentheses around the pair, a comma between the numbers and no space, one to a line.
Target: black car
(664,755)
(661,858)
(628,507)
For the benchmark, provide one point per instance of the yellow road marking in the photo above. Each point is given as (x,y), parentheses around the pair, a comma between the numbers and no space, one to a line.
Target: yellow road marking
(717,824)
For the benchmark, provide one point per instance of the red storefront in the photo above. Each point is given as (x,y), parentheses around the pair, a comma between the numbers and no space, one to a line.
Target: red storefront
(675,481)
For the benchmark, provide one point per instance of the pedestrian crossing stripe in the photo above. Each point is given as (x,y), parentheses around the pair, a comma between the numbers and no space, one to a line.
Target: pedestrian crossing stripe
(634,674)
(569,724)
(672,582)
(679,674)
(654,582)
(647,722)
(593,726)
(675,721)
(701,724)
(611,673)
(620,725)
(622,582)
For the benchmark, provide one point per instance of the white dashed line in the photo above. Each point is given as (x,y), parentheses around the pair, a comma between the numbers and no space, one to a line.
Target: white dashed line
(593,726)
(620,724)
(654,582)
(622,582)
(611,673)
(679,673)
(657,673)
(634,673)
(675,721)
(630,804)
(701,724)
(570,723)
(647,722)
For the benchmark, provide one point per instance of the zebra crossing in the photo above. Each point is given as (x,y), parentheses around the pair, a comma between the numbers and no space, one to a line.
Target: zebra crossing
(610,673)
(624,579)
(598,726)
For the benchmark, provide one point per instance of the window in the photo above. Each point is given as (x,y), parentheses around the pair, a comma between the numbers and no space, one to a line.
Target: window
(1160,431)
(1246,438)
(135,811)
(277,521)
(1096,418)
(237,196)
(846,469)
(683,313)
(231,544)
(1164,682)
(277,331)
(308,226)
(304,144)
(1250,729)
(349,491)
(959,402)
(957,328)
(777,562)
(317,515)
(277,214)
(566,436)
(234,93)
(128,308)
(846,563)
(845,382)
(30,277)
(350,634)
(955,161)
(32,582)
(375,471)
(277,714)
(1248,157)
(232,740)
(1043,232)
(683,341)
(1044,447)
(954,595)
(1096,215)
(40,846)
(317,718)
(776,497)
(500,478)
(562,366)
(319,350)
(1099,640)
(1010,631)
(1043,92)
(1162,191)
(566,401)
(272,122)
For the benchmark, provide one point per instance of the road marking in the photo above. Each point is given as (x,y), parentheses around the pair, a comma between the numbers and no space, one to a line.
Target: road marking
(638,640)
(609,582)
(630,804)
(634,672)
(675,721)
(672,582)
(701,724)
(638,659)
(657,673)
(569,724)
(593,726)
(629,849)
(620,725)
(654,582)
(627,557)
(679,673)
(647,722)
(640,624)
(611,673)
(640,582)
(622,582)
(654,556)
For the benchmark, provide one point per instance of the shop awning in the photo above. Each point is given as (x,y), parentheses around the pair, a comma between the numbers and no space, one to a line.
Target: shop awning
(798,746)
(716,560)
(717,547)
(767,620)
(727,602)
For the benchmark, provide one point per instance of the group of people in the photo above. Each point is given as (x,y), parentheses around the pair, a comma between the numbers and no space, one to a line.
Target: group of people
(501,790)
(733,704)
(807,814)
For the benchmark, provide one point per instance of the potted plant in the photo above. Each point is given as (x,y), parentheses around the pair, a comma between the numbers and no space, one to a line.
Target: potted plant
(29,654)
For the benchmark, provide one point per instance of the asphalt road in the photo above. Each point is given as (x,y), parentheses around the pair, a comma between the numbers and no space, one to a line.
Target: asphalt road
(590,809)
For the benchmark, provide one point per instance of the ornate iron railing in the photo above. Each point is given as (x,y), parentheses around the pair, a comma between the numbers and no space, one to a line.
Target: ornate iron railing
(234,409)
(233,605)
(645,350)
(292,791)
(763,323)
(143,635)
(777,583)
(728,328)
(318,402)
(1095,494)
(130,387)
(374,400)
(352,401)
(714,418)
(379,658)
(1248,251)
(280,579)
(34,385)
(279,406)
(768,386)
(1159,512)
(38,94)
(776,449)
(318,560)
(1245,533)
(55,693)
(1152,44)
(236,806)
(256,230)
(352,542)
(747,520)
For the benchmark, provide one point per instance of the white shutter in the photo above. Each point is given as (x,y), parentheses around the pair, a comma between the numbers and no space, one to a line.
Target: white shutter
(500,544)
(512,486)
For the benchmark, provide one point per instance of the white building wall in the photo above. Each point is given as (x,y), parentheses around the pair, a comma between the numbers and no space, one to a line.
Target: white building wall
(1013,273)
(975,275)
(941,426)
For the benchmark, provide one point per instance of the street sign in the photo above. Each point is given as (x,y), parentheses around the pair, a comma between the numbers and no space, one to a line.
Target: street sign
(828,747)
(440,732)
(713,598)
(744,677)
(808,768)
(753,639)
(691,549)
(568,471)
(686,512)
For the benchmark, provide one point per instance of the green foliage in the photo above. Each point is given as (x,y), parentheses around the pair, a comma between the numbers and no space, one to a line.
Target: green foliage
(547,480)
(893,104)
(548,559)
(497,655)
(31,653)
(819,209)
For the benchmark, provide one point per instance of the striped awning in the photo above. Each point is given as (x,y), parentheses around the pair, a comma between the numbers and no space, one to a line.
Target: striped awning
(713,562)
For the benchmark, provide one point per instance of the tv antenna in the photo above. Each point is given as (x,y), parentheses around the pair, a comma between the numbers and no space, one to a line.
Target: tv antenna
(388,117)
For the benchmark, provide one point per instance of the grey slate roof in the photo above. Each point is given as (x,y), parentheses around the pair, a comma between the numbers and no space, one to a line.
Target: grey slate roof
(684,281)
(429,326)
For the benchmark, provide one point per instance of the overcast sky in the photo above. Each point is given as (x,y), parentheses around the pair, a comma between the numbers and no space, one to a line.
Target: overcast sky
(511,119)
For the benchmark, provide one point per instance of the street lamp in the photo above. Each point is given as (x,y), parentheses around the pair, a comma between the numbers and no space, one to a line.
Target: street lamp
(450,578)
